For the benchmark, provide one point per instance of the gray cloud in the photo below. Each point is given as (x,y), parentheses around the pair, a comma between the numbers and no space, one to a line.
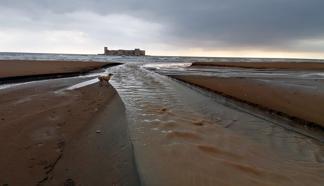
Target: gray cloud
(291,25)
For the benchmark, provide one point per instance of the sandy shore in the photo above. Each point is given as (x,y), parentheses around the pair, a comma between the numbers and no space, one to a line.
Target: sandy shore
(295,101)
(43,125)
(52,134)
(263,65)
(18,68)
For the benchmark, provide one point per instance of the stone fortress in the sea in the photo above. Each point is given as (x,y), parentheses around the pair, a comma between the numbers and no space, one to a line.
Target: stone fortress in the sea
(135,52)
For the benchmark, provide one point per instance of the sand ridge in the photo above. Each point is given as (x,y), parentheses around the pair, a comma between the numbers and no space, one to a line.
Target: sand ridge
(38,124)
(293,101)
(23,68)
(263,65)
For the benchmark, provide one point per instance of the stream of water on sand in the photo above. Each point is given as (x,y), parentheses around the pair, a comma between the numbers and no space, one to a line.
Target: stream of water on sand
(165,116)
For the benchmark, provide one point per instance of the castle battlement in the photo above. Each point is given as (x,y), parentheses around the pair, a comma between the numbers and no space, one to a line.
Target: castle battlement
(135,52)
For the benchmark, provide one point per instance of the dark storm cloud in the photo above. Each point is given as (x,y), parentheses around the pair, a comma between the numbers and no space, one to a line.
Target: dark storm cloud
(210,24)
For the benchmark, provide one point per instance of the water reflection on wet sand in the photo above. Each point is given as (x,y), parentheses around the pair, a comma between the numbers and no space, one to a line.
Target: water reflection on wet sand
(182,137)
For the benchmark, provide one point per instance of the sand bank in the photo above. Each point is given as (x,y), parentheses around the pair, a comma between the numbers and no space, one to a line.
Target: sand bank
(104,152)
(43,124)
(299,102)
(263,65)
(19,68)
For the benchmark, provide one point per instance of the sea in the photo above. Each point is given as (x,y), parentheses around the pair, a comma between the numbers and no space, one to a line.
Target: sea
(146,59)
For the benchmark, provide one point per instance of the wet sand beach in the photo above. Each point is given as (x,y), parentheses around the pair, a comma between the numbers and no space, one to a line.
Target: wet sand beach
(303,101)
(291,88)
(182,137)
(102,154)
(21,68)
(41,125)
(146,128)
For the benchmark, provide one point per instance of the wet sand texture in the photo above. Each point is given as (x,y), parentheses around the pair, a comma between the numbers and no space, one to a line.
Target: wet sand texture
(17,68)
(42,126)
(264,65)
(299,103)
(105,156)
(178,141)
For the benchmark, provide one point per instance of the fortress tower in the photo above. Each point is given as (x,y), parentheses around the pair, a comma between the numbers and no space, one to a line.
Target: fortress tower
(120,52)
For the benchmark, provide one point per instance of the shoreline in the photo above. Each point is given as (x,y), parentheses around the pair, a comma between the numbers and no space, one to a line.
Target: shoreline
(262,65)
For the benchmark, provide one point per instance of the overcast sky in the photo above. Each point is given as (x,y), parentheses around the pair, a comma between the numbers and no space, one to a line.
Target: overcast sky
(268,28)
